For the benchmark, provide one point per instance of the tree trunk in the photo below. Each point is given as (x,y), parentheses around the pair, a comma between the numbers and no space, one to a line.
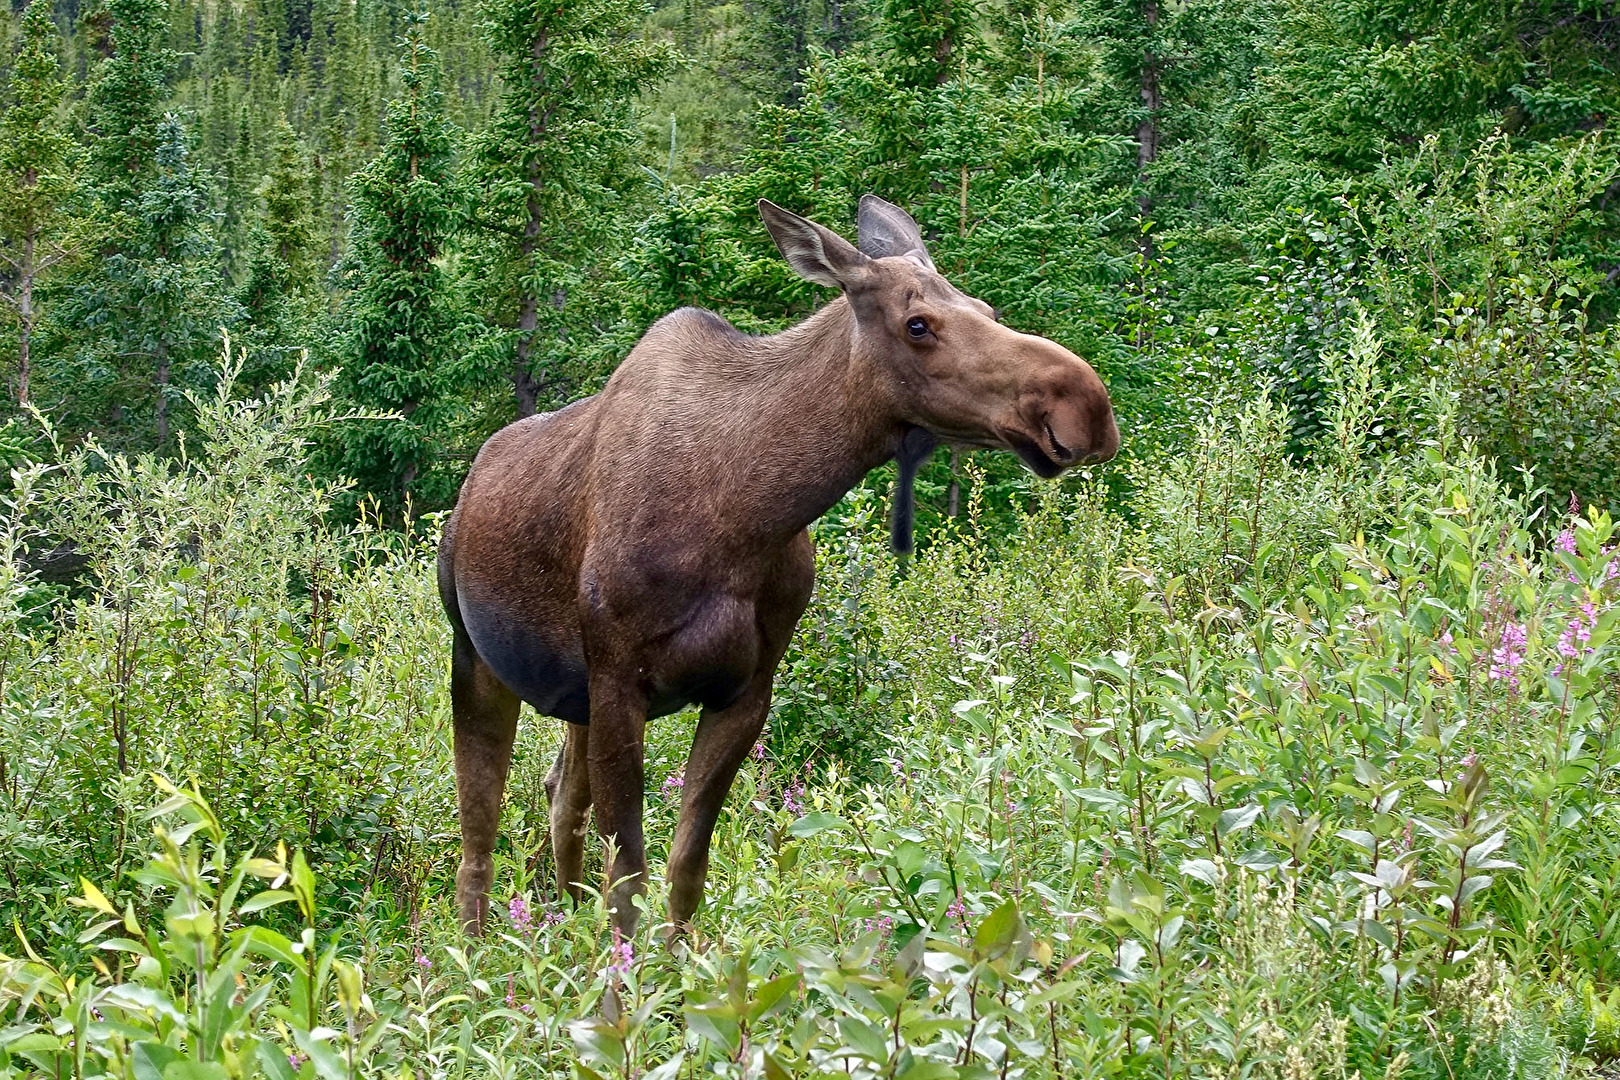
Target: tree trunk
(942,58)
(25,316)
(1147,131)
(162,397)
(525,386)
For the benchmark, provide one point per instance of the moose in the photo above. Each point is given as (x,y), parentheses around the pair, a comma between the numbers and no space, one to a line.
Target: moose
(645,549)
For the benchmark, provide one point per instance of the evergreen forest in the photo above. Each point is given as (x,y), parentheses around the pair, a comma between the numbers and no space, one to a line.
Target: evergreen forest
(1284,746)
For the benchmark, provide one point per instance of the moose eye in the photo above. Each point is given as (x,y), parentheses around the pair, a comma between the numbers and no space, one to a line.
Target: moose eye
(917,327)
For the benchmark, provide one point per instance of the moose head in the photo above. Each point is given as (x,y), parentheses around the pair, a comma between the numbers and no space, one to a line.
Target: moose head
(941,357)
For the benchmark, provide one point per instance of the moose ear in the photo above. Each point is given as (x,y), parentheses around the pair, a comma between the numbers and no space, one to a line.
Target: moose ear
(816,253)
(887,230)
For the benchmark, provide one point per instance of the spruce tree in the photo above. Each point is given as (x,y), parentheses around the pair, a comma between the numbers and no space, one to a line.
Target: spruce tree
(36,179)
(157,303)
(281,275)
(400,320)
(126,101)
(557,155)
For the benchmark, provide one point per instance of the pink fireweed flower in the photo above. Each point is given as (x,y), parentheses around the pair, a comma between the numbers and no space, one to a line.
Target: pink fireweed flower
(793,798)
(518,911)
(882,924)
(423,962)
(296,1060)
(622,956)
(1576,639)
(758,752)
(1508,655)
(1565,542)
(957,911)
(674,782)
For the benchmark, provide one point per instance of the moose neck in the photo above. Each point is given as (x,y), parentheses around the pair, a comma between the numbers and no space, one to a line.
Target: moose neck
(821,418)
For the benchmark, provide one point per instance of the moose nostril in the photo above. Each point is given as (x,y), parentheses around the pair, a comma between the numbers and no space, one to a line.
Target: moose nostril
(1063,452)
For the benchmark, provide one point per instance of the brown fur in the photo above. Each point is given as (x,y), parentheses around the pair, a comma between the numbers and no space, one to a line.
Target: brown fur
(653,536)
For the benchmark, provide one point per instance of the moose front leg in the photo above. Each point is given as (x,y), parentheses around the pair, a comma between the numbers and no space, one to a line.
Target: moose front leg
(719,748)
(614,752)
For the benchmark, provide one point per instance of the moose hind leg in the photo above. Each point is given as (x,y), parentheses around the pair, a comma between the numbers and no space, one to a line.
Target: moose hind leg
(568,788)
(485,714)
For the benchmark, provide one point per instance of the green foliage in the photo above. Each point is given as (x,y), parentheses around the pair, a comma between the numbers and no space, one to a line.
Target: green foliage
(176,999)
(219,639)
(1517,331)
(401,333)
(1283,749)
(1306,770)
(279,286)
(127,101)
(155,299)
(37,181)
(550,164)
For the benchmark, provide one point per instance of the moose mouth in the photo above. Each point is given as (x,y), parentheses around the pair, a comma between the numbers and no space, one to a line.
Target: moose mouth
(1039,461)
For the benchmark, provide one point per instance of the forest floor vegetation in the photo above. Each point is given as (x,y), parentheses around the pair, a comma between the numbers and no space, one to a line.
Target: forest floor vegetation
(1303,768)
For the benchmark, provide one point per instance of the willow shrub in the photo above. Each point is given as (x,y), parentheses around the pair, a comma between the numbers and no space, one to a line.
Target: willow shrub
(1331,797)
(226,630)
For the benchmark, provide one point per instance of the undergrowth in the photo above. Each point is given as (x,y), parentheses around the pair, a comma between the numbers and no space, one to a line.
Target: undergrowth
(1305,771)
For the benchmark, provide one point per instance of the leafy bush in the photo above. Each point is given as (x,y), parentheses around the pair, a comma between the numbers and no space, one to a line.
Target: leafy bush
(231,632)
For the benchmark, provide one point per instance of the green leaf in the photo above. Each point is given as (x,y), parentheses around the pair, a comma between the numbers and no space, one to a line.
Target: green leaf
(717,1022)
(772,997)
(998,930)
(93,898)
(148,1060)
(864,1038)
(1474,885)
(1259,859)
(909,858)
(328,1064)
(1203,870)
(260,901)
(264,942)
(196,1070)
(95,930)
(669,1070)
(1366,841)
(1238,819)
(598,1042)
(273,1060)
(815,822)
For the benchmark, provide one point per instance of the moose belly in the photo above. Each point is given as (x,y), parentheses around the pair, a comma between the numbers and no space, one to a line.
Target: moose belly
(551,679)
